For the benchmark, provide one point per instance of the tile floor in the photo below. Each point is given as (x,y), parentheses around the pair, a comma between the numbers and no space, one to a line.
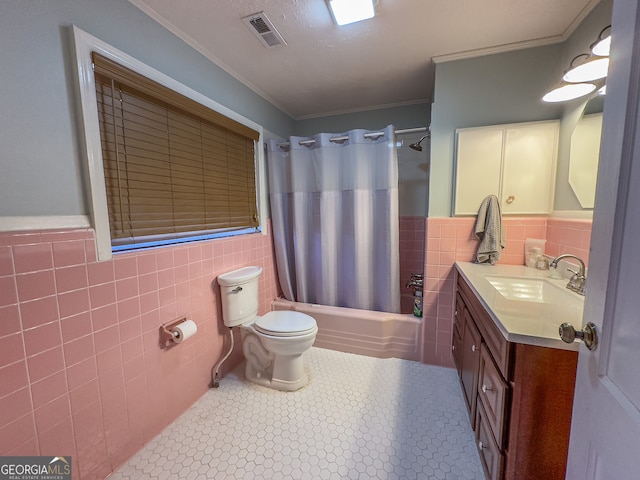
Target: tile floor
(359,418)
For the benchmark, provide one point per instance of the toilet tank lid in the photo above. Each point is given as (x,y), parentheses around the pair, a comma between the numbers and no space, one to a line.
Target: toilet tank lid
(285,321)
(237,277)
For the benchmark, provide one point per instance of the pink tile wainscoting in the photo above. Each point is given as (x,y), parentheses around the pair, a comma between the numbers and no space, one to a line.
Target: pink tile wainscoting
(569,236)
(451,239)
(81,370)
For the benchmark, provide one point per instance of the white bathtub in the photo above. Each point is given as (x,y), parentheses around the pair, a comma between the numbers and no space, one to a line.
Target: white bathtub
(365,332)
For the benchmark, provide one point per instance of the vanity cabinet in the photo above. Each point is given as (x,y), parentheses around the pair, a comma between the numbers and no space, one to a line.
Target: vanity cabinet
(515,162)
(519,396)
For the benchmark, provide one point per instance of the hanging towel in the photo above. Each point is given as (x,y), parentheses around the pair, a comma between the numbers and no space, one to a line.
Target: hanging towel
(489,231)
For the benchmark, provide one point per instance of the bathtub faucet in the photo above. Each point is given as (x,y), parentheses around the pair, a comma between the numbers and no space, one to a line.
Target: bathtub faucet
(415,281)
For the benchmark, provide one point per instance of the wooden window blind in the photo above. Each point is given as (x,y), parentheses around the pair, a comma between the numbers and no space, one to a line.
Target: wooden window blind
(173,168)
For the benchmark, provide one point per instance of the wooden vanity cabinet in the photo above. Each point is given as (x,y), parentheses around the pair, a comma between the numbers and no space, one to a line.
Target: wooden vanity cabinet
(519,396)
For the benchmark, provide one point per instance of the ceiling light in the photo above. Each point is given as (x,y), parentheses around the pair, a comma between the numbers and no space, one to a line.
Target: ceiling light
(603,90)
(590,69)
(568,91)
(602,45)
(350,11)
(585,72)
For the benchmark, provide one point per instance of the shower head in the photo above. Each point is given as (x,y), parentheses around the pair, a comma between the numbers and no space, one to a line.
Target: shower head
(416,146)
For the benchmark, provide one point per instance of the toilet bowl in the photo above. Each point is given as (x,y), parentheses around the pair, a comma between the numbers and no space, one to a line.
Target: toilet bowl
(274,343)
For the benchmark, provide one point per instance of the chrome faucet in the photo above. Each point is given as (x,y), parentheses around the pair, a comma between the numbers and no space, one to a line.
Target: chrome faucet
(415,281)
(578,281)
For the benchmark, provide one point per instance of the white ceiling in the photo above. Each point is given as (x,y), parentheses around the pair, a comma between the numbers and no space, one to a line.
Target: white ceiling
(389,60)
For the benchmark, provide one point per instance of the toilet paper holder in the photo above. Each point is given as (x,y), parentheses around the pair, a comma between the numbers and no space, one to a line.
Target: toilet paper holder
(167,334)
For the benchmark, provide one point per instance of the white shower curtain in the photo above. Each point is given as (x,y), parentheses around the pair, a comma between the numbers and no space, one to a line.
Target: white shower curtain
(334,211)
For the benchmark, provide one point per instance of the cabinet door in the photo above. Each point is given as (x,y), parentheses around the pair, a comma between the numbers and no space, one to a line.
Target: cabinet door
(458,330)
(471,340)
(529,166)
(478,167)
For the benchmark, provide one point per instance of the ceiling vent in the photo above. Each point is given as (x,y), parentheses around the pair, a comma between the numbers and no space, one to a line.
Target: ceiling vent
(262,28)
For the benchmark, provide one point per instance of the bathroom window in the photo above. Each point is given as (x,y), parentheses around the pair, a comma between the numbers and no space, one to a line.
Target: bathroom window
(166,165)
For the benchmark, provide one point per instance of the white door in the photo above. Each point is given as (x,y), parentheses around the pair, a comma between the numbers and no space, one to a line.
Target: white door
(605,430)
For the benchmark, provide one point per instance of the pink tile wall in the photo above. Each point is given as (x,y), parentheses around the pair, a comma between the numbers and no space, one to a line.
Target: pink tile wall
(412,235)
(569,236)
(81,370)
(451,239)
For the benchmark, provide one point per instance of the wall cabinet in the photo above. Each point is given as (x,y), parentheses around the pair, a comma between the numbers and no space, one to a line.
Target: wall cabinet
(519,396)
(515,162)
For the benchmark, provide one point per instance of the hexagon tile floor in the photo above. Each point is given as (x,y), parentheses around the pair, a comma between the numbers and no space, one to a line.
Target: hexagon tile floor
(359,418)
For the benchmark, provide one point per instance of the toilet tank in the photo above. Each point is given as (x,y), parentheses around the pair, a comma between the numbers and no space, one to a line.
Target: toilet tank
(239,292)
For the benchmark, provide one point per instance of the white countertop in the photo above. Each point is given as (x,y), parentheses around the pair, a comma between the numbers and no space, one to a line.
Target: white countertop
(531,323)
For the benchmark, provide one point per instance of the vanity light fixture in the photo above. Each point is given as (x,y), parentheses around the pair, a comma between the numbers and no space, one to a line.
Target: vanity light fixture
(351,11)
(586,71)
(568,91)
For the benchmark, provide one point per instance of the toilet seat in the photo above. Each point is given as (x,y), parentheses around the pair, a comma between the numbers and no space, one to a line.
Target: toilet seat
(285,323)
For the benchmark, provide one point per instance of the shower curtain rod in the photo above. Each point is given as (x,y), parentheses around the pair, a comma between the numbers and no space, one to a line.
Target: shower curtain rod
(366,135)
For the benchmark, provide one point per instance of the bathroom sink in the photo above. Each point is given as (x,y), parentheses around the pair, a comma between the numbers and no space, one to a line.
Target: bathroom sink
(526,305)
(536,290)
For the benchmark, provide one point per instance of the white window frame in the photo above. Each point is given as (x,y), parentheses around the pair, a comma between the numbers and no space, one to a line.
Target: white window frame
(85,44)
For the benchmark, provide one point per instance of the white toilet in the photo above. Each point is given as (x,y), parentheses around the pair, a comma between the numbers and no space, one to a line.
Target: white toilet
(273,344)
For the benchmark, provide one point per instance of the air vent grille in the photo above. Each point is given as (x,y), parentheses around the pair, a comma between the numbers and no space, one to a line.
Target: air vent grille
(262,28)
(259,25)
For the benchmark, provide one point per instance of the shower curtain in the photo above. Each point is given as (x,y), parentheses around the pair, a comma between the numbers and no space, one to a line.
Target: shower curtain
(334,212)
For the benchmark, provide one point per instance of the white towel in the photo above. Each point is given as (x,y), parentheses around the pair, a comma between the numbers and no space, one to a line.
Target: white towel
(489,231)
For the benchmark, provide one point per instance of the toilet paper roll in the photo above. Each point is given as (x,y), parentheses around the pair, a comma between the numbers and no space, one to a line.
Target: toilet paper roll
(184,331)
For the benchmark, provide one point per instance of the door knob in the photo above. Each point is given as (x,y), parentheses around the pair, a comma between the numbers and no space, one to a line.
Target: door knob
(588,335)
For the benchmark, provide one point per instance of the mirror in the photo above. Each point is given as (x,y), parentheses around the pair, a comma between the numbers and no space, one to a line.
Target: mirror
(585,151)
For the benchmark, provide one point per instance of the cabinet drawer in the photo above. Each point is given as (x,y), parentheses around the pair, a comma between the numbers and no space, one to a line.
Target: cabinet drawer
(493,391)
(490,455)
